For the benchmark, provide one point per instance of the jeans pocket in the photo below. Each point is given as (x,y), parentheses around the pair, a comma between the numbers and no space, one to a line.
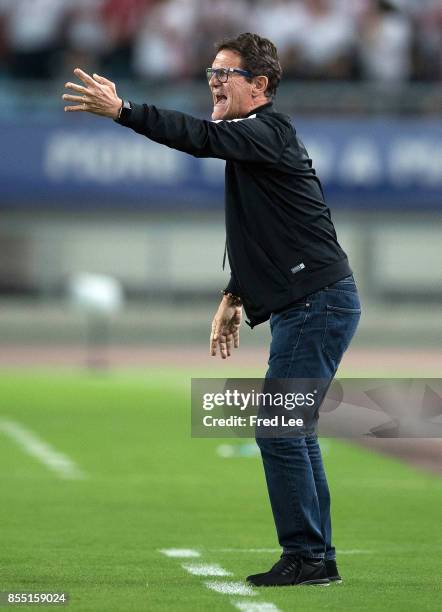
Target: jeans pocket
(340,326)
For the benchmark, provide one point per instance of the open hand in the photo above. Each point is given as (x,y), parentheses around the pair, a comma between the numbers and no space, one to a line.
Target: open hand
(225,329)
(98,96)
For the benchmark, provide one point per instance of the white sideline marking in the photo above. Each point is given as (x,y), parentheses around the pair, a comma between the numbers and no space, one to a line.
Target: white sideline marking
(180,552)
(230,588)
(41,450)
(199,569)
(253,606)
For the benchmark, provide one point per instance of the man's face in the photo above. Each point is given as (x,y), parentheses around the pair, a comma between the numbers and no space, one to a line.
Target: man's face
(233,99)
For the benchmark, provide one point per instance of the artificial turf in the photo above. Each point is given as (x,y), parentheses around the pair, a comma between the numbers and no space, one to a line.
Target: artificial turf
(150,486)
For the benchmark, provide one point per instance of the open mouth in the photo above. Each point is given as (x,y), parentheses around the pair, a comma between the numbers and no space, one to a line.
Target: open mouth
(220,99)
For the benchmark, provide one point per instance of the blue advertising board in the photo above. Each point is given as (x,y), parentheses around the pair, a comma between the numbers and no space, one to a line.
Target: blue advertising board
(89,162)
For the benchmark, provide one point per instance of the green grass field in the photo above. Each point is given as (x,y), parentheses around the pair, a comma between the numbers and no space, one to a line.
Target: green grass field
(149,486)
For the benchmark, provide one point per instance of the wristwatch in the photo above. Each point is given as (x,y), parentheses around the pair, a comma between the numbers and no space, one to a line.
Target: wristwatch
(125,111)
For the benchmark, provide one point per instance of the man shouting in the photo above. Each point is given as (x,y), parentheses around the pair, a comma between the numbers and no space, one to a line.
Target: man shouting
(286,266)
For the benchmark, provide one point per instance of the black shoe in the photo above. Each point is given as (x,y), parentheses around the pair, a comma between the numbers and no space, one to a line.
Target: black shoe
(332,571)
(291,570)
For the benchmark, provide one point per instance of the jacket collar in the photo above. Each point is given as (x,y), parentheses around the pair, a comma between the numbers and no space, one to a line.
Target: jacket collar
(264,108)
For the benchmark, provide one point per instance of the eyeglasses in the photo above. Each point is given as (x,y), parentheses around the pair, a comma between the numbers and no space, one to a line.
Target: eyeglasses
(222,74)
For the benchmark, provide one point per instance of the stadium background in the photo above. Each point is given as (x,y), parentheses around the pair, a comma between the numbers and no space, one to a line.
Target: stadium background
(82,195)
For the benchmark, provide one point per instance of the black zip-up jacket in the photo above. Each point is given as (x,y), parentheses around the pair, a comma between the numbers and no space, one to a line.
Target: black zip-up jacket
(281,241)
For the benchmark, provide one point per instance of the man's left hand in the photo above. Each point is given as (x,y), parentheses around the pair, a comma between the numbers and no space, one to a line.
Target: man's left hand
(225,328)
(98,96)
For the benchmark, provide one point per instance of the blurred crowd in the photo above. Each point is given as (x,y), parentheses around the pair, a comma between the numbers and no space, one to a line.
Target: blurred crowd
(377,40)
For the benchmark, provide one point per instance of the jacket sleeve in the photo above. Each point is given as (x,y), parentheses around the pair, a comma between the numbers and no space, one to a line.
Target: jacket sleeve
(233,286)
(248,140)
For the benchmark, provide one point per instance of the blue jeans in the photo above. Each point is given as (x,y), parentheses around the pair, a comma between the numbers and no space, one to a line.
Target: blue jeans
(309,339)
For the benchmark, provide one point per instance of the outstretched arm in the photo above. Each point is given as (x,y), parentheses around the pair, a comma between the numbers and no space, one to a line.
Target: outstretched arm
(248,139)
